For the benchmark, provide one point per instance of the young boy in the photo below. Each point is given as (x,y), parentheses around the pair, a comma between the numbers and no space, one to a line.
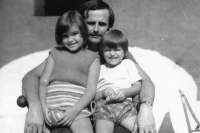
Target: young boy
(118,82)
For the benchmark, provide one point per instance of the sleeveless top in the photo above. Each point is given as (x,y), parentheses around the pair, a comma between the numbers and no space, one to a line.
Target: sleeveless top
(71,67)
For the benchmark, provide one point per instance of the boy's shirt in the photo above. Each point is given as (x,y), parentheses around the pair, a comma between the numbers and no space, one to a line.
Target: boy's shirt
(120,77)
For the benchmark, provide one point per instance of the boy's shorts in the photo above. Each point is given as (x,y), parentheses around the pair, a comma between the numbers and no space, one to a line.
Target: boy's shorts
(114,112)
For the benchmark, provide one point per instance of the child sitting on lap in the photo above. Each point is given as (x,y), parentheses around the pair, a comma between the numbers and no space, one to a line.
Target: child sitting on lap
(70,76)
(118,82)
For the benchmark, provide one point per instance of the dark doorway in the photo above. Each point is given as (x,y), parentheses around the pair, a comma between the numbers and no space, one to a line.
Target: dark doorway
(55,7)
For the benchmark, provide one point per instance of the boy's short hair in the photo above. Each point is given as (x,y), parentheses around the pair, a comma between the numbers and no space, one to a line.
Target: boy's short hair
(66,21)
(97,5)
(113,39)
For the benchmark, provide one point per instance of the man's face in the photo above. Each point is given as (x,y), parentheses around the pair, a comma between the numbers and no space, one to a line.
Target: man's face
(97,24)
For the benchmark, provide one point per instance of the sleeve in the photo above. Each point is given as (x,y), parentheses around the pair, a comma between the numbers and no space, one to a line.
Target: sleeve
(130,56)
(132,71)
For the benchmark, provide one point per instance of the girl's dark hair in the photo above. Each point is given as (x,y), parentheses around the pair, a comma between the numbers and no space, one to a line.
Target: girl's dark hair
(97,5)
(66,21)
(113,39)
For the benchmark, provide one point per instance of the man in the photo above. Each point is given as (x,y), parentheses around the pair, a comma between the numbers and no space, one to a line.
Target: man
(99,18)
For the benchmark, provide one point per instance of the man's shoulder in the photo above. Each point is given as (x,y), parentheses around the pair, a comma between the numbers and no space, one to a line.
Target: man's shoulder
(91,53)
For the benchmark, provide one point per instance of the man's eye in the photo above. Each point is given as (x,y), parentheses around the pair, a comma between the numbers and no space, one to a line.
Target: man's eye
(91,23)
(102,24)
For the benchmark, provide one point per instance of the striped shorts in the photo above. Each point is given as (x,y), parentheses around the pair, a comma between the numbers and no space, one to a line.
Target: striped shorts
(63,95)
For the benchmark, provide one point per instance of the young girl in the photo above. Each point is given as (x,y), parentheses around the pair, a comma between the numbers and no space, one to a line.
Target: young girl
(118,82)
(70,76)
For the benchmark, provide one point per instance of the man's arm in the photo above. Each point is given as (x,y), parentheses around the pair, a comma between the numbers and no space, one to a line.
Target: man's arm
(145,120)
(147,92)
(30,83)
(30,88)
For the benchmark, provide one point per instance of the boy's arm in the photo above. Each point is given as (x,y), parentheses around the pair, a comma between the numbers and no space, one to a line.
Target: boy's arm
(30,88)
(134,90)
(99,95)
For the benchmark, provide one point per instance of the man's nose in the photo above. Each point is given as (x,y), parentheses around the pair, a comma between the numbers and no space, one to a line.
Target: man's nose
(96,29)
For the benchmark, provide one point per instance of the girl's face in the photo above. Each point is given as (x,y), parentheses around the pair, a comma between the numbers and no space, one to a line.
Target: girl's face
(113,56)
(73,39)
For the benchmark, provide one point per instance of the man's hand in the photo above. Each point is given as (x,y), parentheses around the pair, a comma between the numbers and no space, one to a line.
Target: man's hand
(34,119)
(145,120)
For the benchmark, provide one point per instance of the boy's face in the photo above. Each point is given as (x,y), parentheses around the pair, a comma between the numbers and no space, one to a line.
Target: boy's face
(97,24)
(113,56)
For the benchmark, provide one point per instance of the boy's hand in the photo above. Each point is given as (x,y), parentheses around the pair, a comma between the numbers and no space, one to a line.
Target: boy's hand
(120,96)
(68,117)
(109,93)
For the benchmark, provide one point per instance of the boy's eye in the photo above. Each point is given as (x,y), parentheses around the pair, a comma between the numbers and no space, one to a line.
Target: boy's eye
(106,50)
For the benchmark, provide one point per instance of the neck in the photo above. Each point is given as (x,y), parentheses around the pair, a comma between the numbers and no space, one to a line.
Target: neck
(94,47)
(73,52)
(110,66)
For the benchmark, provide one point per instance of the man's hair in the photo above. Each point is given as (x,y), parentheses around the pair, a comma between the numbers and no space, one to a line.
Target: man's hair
(97,5)
(113,39)
(66,21)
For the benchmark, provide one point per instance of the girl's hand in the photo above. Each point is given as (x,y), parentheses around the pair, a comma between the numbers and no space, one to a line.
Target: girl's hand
(120,96)
(68,117)
(46,108)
